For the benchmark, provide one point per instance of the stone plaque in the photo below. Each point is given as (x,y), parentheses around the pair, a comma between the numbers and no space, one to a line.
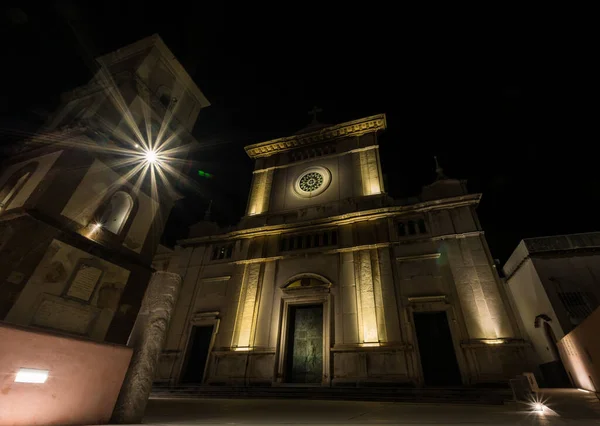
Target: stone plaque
(64,315)
(83,284)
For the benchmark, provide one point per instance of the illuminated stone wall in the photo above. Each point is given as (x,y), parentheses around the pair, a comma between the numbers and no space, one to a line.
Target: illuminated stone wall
(260,192)
(243,334)
(483,305)
(368,164)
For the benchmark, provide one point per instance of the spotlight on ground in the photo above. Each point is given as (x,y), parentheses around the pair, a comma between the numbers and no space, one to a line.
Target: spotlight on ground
(538,407)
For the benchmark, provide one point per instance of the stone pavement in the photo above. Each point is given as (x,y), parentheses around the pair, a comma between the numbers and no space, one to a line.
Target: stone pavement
(565,407)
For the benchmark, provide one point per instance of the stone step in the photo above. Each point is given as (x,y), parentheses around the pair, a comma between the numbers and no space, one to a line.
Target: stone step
(448,395)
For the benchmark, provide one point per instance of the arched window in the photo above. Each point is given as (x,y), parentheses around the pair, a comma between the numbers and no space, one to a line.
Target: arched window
(15,183)
(116,212)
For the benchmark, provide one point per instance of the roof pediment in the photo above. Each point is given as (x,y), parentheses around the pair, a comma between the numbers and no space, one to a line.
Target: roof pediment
(358,127)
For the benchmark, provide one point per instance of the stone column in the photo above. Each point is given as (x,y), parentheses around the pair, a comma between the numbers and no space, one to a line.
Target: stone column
(147,339)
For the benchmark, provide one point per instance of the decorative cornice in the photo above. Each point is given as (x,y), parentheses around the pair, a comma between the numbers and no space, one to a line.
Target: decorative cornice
(358,127)
(418,257)
(309,160)
(427,299)
(344,219)
(216,279)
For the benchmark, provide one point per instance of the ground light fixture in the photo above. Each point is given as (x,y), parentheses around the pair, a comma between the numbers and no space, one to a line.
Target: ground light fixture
(31,375)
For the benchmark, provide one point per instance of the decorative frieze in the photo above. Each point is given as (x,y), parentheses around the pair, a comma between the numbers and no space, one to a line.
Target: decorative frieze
(351,128)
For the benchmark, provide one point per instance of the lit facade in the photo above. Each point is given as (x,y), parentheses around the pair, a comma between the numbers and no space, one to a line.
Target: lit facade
(327,280)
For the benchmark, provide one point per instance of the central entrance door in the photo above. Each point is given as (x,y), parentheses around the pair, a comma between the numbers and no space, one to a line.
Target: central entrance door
(304,346)
(197,355)
(438,358)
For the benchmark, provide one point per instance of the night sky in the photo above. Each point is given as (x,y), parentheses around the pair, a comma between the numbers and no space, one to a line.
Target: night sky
(506,105)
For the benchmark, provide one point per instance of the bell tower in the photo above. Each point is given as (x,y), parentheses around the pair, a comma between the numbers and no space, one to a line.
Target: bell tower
(84,203)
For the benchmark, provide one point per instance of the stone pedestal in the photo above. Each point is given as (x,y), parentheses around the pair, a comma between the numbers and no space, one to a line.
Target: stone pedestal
(147,339)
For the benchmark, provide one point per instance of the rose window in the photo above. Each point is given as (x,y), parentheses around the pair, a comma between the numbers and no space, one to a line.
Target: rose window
(311,182)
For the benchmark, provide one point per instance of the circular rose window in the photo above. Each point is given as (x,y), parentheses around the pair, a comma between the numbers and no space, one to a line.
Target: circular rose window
(312,181)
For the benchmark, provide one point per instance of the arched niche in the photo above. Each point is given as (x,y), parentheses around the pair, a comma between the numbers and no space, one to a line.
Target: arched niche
(306,281)
(117,212)
(15,183)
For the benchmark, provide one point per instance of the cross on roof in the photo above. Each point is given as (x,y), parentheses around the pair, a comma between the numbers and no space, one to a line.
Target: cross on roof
(314,113)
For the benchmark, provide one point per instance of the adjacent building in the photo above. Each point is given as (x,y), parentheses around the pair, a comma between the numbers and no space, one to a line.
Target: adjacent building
(555,284)
(329,281)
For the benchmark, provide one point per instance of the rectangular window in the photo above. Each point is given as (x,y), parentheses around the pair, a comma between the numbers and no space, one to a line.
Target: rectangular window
(334,238)
(422,228)
(222,252)
(326,239)
(308,241)
(299,242)
(401,229)
(412,229)
(282,244)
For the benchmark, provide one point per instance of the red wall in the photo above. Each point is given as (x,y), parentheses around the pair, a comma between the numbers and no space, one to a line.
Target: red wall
(83,383)
(580,353)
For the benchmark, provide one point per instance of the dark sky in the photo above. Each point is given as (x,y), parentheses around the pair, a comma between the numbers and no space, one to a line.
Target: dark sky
(505,102)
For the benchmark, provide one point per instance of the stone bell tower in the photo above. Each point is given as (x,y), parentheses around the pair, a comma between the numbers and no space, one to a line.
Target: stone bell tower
(83,203)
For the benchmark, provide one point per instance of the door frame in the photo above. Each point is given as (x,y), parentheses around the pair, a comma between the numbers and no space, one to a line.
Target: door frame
(303,297)
(437,304)
(199,319)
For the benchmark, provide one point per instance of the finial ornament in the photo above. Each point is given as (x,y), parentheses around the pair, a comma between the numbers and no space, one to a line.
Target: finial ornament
(438,170)
(207,212)
(314,113)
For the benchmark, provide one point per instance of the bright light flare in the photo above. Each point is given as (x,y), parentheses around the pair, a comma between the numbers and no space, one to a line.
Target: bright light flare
(31,375)
(151,156)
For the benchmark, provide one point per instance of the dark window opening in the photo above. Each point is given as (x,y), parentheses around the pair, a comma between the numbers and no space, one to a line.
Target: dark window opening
(422,228)
(222,252)
(307,241)
(402,229)
(412,230)
(334,238)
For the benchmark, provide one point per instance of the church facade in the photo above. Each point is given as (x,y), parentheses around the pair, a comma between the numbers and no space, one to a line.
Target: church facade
(329,281)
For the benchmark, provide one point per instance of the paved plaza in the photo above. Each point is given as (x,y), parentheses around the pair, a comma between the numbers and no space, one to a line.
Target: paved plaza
(565,407)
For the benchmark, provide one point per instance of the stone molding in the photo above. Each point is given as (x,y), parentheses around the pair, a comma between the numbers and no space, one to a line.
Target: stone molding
(216,279)
(481,343)
(311,160)
(350,128)
(418,257)
(428,299)
(348,218)
(382,347)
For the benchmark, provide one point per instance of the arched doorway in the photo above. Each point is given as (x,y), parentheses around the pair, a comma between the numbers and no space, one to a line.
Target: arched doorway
(553,372)
(305,331)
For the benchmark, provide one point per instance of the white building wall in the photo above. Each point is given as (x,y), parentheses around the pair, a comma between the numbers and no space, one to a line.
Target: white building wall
(531,300)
